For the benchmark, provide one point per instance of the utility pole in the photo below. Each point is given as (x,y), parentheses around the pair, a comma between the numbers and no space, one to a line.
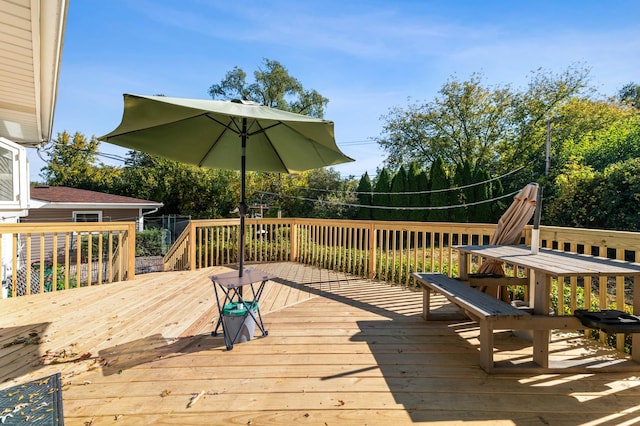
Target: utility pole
(548,150)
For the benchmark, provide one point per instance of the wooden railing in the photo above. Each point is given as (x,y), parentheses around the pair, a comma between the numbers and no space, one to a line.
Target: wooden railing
(366,248)
(47,257)
(214,242)
(388,251)
(369,248)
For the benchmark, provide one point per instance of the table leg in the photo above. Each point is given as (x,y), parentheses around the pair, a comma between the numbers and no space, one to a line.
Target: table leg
(463,265)
(635,337)
(541,307)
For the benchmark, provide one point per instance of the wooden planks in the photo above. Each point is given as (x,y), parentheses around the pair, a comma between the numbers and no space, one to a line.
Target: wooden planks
(340,350)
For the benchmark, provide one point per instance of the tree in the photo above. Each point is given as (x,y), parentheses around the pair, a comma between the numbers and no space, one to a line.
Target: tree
(481,213)
(313,193)
(364,191)
(462,179)
(440,197)
(584,124)
(546,96)
(73,161)
(183,189)
(417,181)
(338,199)
(580,191)
(381,195)
(466,121)
(397,197)
(493,127)
(273,87)
(630,94)
(617,142)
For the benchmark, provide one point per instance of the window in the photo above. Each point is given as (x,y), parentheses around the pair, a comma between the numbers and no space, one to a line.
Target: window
(14,177)
(87,216)
(6,175)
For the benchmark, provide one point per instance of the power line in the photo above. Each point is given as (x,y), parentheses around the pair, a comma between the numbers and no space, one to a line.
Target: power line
(360,142)
(432,191)
(335,203)
(115,157)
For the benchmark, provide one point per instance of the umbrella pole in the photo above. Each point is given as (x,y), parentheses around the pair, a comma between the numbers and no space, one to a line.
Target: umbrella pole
(242,208)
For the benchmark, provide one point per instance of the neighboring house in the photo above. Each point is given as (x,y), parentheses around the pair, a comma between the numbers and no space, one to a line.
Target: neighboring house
(64,204)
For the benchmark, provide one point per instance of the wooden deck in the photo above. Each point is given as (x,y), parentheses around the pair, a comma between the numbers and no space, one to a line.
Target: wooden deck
(340,351)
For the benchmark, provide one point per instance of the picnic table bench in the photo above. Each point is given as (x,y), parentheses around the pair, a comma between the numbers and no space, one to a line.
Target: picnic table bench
(490,313)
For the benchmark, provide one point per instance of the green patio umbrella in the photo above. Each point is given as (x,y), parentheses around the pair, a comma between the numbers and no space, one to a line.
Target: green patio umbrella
(237,135)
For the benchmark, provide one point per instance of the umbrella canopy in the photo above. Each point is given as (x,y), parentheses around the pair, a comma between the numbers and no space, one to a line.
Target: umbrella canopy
(511,224)
(208,133)
(237,135)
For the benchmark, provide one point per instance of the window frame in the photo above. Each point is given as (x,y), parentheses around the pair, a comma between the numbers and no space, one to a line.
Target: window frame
(19,176)
(75,213)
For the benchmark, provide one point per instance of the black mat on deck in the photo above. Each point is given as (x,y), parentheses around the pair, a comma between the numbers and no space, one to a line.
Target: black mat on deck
(38,402)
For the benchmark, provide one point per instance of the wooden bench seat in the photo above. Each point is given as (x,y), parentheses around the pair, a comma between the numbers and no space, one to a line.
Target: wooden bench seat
(490,313)
(476,304)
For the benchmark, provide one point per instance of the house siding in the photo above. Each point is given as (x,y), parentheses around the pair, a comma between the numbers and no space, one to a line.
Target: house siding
(64,215)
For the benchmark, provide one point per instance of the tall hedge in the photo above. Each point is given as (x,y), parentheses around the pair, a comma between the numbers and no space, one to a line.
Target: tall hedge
(364,197)
(398,199)
(381,195)
(439,180)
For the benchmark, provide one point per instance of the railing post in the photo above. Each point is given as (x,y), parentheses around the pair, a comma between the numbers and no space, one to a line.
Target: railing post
(293,235)
(372,251)
(192,246)
(131,249)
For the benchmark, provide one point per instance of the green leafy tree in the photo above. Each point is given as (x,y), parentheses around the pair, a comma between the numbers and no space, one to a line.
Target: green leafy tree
(183,189)
(313,193)
(620,189)
(73,161)
(462,179)
(630,94)
(598,199)
(619,142)
(273,86)
(339,200)
(578,126)
(381,197)
(397,197)
(466,121)
(439,181)
(481,213)
(364,191)
(417,181)
(493,127)
(544,99)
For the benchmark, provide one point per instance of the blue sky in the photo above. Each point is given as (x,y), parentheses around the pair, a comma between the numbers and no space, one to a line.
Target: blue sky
(365,56)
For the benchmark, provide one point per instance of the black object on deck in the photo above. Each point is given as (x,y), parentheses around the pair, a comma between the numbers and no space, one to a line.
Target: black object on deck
(609,320)
(38,402)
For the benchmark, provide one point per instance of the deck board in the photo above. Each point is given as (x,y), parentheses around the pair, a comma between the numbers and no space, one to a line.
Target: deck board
(340,350)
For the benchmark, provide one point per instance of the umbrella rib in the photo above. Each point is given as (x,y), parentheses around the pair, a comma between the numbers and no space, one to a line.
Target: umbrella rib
(264,129)
(213,145)
(266,136)
(237,130)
